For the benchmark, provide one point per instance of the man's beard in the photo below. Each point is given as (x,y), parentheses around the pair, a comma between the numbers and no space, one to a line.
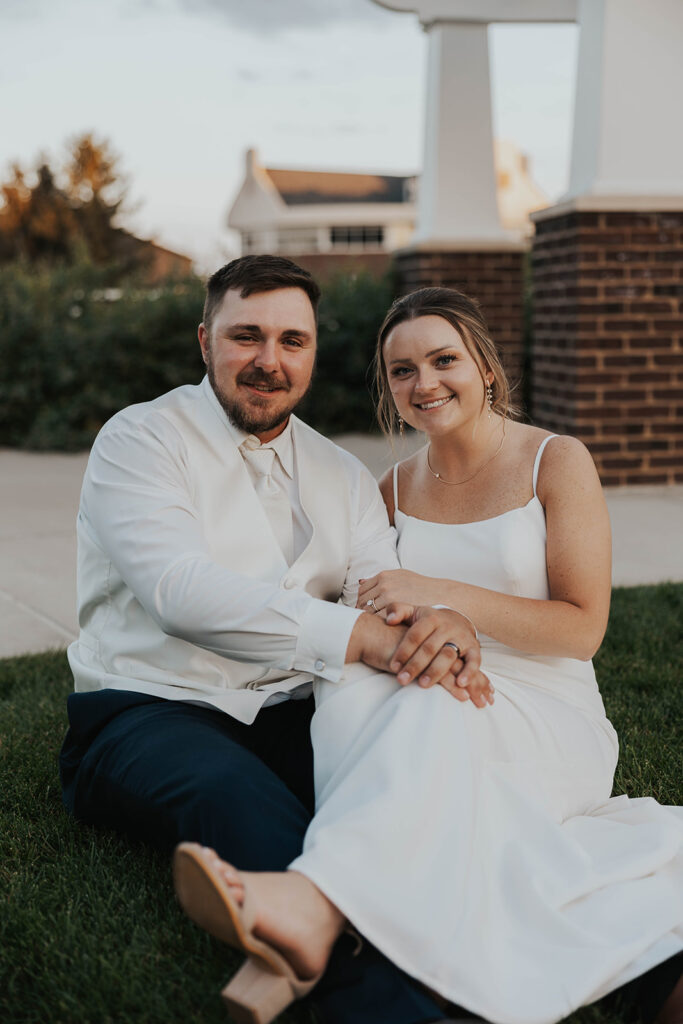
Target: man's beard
(251,420)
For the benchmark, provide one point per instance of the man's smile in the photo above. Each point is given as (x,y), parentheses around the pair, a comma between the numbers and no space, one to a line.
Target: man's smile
(263,387)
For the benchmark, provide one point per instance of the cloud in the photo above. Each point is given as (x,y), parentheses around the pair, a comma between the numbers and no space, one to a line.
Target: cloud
(248,75)
(310,130)
(347,128)
(273,16)
(21,9)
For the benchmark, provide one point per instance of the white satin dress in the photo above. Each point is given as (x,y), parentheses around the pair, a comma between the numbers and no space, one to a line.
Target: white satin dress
(479,849)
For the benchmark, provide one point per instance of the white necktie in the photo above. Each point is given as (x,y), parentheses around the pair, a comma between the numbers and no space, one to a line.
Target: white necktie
(272,496)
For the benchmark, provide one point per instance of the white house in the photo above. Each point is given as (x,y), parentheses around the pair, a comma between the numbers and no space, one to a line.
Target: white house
(299,212)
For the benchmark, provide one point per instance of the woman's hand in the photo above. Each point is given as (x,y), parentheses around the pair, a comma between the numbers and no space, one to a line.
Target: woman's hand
(440,646)
(398,585)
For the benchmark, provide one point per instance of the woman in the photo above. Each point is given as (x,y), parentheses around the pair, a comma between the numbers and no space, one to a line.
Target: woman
(474,844)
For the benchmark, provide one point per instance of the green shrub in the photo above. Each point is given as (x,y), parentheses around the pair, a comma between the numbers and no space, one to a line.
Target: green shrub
(351,311)
(74,350)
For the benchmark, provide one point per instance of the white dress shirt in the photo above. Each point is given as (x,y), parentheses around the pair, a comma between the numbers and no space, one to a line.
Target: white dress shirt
(183,591)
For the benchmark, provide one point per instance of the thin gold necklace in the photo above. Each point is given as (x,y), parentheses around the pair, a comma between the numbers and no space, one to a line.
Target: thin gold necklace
(457,483)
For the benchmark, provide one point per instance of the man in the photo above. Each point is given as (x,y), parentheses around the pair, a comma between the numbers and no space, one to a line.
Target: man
(216,535)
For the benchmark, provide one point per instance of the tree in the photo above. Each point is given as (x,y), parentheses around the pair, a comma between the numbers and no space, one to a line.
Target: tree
(35,222)
(97,192)
(69,210)
(91,172)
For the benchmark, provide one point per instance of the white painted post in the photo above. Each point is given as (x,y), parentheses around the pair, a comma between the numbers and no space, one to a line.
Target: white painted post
(457,195)
(457,203)
(627,138)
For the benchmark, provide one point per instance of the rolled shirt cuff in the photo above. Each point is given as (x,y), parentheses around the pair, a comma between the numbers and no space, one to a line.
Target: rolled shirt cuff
(323,639)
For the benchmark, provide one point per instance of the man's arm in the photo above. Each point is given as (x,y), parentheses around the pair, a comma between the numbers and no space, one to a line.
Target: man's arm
(139,508)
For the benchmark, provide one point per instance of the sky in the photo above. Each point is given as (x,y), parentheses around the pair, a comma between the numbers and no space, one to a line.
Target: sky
(181,88)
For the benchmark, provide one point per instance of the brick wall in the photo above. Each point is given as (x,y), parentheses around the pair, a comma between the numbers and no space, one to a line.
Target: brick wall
(495,278)
(608,339)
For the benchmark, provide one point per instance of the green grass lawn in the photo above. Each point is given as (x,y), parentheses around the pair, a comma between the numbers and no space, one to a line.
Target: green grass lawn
(89,927)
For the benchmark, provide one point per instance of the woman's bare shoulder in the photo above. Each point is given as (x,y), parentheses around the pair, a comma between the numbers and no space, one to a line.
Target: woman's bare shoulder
(566,466)
(527,439)
(565,462)
(404,469)
(525,436)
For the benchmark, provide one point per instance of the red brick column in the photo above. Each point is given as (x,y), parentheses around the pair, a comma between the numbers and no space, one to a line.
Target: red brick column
(607,359)
(493,276)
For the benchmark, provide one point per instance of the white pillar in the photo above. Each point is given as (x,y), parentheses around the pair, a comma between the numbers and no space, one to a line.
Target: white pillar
(627,137)
(457,194)
(457,205)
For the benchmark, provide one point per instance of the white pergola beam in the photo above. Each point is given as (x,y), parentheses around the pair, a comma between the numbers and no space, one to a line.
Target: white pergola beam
(485,11)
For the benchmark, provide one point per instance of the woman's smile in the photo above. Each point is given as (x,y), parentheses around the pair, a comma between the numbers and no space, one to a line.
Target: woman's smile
(433,403)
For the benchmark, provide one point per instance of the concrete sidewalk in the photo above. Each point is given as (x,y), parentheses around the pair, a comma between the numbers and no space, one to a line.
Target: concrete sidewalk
(38,540)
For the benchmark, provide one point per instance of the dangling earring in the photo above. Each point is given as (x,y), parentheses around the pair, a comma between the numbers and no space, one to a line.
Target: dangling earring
(400,427)
(489,397)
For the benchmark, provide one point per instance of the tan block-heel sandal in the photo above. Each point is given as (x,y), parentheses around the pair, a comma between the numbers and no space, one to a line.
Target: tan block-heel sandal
(265,985)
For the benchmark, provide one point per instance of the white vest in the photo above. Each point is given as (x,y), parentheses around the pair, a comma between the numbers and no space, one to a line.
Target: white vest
(120,645)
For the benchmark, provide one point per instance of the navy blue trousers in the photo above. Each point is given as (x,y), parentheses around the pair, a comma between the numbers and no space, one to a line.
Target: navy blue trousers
(167,771)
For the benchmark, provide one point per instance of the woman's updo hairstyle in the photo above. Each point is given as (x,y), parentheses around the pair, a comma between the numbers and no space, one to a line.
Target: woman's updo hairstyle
(462,313)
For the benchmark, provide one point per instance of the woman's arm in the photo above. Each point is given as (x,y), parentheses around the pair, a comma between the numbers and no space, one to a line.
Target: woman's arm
(578,555)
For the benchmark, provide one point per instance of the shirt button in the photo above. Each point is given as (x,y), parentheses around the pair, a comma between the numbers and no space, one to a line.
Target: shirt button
(319,665)
(289,583)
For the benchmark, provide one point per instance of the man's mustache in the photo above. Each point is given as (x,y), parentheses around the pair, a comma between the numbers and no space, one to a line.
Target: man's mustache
(256,377)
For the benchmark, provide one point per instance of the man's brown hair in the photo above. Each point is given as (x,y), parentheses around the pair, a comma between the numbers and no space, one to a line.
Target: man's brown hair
(252,274)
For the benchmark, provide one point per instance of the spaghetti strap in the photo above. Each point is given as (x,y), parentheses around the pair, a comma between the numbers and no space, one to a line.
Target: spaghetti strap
(395,486)
(537,460)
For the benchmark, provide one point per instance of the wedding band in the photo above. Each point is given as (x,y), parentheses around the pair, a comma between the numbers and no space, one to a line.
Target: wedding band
(454,646)
(371,604)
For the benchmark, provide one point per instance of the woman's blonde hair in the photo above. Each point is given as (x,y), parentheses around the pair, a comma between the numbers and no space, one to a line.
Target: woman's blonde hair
(462,313)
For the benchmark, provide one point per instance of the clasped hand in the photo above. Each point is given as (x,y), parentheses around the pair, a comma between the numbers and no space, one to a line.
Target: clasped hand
(422,657)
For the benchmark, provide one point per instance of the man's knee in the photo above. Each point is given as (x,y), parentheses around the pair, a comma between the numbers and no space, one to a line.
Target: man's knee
(256,823)
(229,800)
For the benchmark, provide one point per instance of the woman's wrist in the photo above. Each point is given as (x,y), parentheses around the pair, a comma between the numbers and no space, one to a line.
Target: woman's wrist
(450,608)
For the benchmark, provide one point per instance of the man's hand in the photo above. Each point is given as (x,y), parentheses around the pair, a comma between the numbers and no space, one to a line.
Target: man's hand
(374,642)
(426,652)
